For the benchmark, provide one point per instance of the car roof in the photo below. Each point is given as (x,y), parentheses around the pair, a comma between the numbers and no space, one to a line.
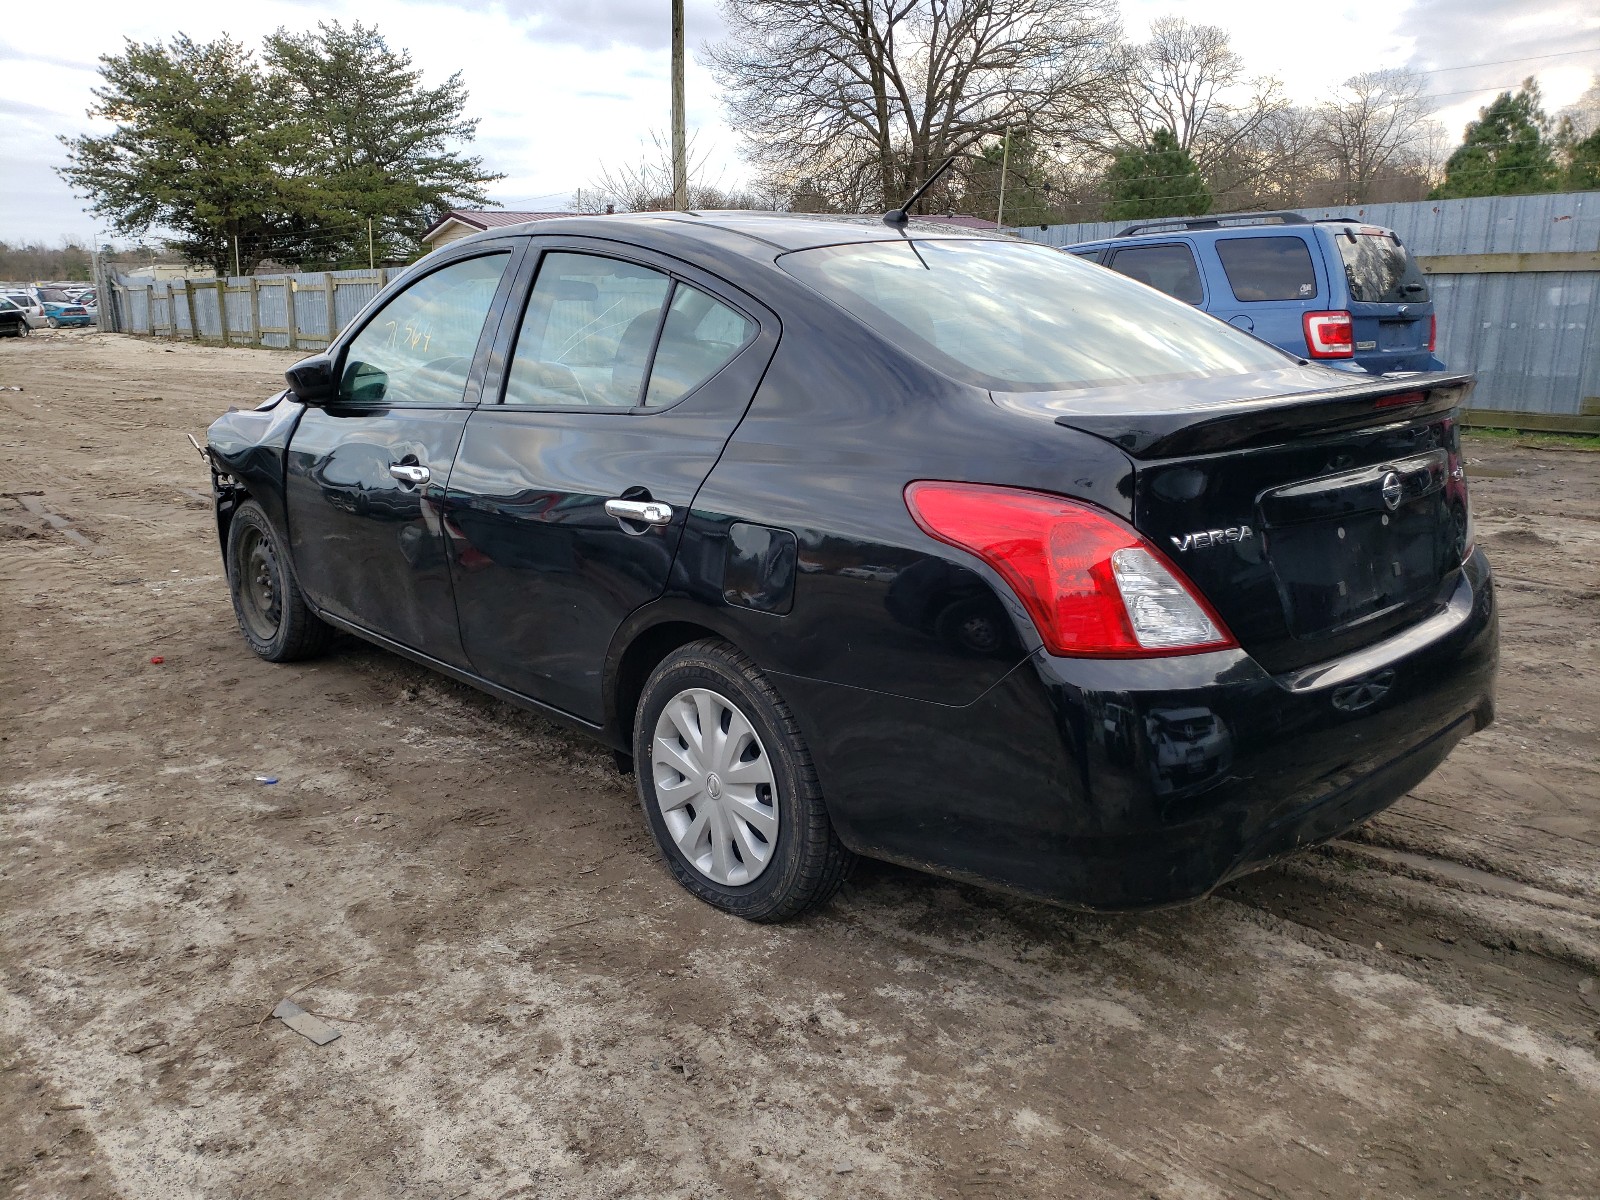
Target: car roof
(1178,227)
(764,231)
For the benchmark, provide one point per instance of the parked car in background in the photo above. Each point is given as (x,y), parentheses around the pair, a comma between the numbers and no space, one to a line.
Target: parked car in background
(61,309)
(862,537)
(1337,290)
(90,301)
(13,321)
(31,308)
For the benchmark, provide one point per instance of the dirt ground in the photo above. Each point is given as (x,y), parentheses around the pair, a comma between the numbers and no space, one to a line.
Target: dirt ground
(530,1007)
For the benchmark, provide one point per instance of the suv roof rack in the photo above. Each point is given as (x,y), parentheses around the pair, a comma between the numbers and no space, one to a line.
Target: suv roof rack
(1282,218)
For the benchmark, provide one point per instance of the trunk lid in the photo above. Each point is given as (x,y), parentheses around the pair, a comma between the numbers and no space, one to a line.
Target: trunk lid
(1315,521)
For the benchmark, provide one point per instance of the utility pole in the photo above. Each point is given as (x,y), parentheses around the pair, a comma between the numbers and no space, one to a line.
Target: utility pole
(372,262)
(236,269)
(680,152)
(1005,163)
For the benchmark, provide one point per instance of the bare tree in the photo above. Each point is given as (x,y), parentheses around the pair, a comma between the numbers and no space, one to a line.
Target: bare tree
(1582,117)
(1378,124)
(1187,79)
(1281,163)
(647,185)
(861,99)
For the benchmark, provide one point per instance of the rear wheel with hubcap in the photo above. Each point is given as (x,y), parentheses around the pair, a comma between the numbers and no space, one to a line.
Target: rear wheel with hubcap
(728,787)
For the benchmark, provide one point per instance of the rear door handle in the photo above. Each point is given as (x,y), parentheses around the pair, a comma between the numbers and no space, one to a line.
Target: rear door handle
(646,512)
(410,473)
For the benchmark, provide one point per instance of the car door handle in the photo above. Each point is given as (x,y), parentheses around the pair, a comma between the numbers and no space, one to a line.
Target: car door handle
(410,473)
(646,512)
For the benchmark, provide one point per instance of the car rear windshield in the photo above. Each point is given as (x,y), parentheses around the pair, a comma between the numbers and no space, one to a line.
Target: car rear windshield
(1379,269)
(1010,316)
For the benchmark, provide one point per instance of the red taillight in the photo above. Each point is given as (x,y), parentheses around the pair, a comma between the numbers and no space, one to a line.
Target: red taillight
(1093,586)
(1329,334)
(1433,333)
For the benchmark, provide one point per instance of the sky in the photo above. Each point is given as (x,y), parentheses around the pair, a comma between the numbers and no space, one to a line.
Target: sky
(563,87)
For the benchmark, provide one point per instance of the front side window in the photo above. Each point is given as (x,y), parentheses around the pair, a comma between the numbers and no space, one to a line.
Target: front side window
(587,333)
(418,349)
(1268,268)
(1010,316)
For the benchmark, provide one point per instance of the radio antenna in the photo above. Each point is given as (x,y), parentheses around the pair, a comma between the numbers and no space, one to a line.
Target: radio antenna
(899,216)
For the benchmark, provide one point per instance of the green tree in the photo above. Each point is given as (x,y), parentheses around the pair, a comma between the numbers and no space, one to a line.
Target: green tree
(197,150)
(377,142)
(1507,151)
(1028,184)
(1160,180)
(1583,165)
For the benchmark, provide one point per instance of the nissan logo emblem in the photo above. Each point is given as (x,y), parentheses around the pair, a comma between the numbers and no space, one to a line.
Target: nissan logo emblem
(1393,492)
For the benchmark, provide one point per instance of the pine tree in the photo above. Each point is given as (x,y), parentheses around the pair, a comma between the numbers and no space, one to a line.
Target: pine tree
(1507,151)
(198,150)
(378,143)
(1159,181)
(286,159)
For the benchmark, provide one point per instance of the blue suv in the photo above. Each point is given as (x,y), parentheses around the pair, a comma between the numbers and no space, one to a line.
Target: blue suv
(1339,291)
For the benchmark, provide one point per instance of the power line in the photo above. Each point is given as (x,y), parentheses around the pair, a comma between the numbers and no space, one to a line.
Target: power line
(1504,61)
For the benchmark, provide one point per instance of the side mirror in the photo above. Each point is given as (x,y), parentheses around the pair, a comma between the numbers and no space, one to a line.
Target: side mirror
(312,380)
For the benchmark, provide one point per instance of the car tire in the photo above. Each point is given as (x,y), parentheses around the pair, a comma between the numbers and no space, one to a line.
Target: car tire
(53,323)
(771,786)
(267,602)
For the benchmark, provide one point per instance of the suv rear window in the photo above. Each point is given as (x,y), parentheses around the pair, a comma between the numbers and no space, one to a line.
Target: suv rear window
(1379,269)
(1170,268)
(1268,268)
(1015,317)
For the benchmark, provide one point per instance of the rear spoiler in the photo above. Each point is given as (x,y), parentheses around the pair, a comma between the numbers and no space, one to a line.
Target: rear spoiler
(1241,424)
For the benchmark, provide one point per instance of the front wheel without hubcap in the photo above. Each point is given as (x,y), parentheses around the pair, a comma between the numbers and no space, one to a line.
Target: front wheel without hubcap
(273,615)
(728,787)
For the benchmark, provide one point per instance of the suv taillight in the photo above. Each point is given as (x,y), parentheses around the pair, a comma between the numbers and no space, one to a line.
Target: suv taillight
(1329,334)
(1433,332)
(1093,586)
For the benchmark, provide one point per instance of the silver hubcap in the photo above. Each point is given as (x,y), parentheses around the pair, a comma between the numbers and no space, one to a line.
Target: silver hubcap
(715,787)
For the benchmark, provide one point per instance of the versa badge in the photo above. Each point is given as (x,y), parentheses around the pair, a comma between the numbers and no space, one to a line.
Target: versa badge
(1202,538)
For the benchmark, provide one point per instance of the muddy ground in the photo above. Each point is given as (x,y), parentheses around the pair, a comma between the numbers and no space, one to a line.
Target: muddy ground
(530,1006)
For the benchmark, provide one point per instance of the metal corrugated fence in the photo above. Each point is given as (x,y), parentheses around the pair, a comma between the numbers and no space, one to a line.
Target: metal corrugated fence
(1532,334)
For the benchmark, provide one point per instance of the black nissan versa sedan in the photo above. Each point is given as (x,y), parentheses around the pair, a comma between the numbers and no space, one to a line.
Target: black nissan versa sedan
(865,538)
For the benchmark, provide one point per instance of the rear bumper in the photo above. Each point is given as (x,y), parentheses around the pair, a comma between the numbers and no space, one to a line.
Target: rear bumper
(1139,783)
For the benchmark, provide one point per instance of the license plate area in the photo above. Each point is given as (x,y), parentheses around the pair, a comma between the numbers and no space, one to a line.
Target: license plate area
(1355,546)
(1333,575)
(1399,335)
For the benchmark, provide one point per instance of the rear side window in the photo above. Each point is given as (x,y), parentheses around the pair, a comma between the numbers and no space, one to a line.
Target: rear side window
(700,336)
(1091,255)
(1268,268)
(1379,269)
(1170,268)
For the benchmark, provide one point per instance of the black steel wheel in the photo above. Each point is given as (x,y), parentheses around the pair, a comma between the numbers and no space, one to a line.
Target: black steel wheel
(729,790)
(272,614)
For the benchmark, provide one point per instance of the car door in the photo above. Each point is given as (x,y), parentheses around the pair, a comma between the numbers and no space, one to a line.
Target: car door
(366,471)
(628,374)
